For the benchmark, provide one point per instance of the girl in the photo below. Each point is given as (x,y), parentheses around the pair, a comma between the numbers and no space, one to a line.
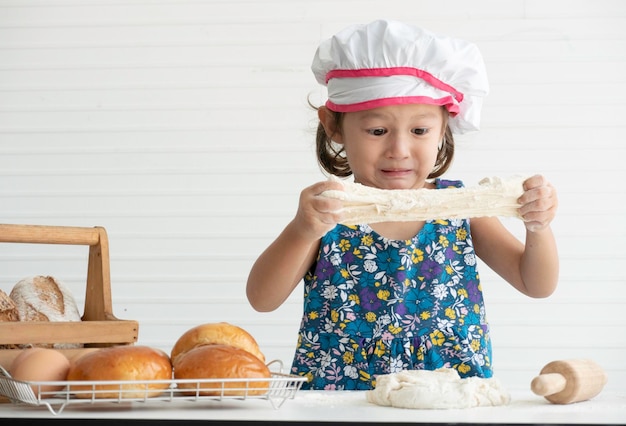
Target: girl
(384,297)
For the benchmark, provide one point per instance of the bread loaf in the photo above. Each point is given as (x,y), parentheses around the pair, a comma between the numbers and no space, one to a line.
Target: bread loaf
(43,298)
(134,363)
(222,362)
(8,310)
(8,313)
(221,333)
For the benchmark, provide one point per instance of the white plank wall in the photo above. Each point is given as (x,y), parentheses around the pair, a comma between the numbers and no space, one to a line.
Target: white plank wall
(183,128)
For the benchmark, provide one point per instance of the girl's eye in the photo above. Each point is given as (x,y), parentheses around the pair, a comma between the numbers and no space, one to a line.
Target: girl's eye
(377,132)
(420,131)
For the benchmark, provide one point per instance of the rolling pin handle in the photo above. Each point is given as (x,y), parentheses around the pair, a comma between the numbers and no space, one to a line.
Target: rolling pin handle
(548,384)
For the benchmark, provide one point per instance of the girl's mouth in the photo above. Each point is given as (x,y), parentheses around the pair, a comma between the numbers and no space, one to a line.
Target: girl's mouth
(396,172)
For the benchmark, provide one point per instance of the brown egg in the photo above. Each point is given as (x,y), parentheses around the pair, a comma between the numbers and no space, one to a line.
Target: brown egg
(40,365)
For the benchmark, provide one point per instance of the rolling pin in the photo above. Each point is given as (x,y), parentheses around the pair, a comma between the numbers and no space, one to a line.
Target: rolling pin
(568,381)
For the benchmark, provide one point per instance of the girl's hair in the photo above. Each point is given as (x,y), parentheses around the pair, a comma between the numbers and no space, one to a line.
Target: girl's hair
(331,156)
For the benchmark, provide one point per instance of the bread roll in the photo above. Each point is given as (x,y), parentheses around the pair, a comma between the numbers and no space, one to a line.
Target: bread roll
(221,333)
(43,298)
(136,363)
(222,362)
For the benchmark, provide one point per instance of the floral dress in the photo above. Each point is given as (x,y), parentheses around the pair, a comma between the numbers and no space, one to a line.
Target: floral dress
(377,306)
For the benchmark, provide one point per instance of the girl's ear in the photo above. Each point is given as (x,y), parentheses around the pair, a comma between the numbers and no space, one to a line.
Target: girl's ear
(327,119)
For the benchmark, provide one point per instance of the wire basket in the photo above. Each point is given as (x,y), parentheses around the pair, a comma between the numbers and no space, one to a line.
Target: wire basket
(276,389)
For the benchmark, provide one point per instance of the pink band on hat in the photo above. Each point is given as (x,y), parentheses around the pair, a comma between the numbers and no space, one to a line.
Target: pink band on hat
(447,102)
(387,72)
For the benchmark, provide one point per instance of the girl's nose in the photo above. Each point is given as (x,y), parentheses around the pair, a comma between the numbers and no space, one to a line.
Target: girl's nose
(398,146)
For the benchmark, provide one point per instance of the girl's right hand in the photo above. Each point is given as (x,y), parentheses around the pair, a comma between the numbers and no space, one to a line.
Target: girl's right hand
(317,215)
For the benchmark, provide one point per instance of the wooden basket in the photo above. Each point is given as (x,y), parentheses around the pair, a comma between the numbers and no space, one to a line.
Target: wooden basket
(99,327)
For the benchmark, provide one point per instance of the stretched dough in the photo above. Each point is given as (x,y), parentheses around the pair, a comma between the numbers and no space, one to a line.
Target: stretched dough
(439,389)
(493,196)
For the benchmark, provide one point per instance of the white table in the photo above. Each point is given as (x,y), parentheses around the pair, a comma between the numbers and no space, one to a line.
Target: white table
(314,406)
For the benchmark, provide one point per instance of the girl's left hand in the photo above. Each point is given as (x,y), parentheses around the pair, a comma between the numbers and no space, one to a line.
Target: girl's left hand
(538,203)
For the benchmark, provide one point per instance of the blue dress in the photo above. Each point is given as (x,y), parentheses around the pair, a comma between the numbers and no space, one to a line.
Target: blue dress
(378,306)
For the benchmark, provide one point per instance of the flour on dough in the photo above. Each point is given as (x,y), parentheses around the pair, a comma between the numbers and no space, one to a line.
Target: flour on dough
(492,196)
(438,389)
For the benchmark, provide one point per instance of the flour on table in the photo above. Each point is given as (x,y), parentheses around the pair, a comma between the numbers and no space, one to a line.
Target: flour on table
(439,389)
(492,196)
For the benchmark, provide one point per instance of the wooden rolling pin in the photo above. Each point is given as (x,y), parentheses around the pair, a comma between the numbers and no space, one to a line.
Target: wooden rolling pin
(568,381)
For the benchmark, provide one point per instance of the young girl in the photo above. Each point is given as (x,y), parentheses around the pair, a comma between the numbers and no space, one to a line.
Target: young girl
(385,297)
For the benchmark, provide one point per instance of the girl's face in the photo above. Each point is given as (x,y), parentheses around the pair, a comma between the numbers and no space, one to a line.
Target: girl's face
(392,147)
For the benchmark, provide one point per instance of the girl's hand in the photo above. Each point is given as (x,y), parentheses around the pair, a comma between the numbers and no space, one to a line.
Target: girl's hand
(539,203)
(317,215)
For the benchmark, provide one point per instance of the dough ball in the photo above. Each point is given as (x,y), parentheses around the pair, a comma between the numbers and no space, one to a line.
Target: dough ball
(437,389)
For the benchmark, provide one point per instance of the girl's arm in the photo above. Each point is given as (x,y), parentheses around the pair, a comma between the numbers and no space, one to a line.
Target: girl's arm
(282,265)
(532,267)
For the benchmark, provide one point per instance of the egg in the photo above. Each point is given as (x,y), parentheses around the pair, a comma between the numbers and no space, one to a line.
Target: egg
(41,365)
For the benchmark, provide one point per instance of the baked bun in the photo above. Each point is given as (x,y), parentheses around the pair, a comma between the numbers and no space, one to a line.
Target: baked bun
(220,333)
(222,362)
(137,363)
(43,298)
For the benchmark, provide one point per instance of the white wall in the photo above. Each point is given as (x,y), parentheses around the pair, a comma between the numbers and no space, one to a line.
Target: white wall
(182,127)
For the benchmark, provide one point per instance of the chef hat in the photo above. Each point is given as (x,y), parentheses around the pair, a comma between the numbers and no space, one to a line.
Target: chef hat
(390,63)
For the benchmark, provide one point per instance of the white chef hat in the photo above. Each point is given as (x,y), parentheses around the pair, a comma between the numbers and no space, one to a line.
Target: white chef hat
(390,63)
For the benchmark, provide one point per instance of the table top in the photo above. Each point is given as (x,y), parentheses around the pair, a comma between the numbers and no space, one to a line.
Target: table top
(335,406)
